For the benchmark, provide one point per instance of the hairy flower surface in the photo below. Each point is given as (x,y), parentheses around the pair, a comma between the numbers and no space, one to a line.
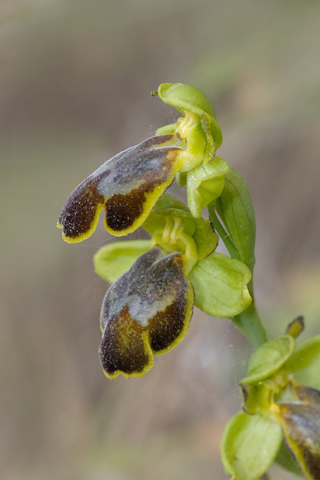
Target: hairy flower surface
(301,427)
(146,311)
(127,186)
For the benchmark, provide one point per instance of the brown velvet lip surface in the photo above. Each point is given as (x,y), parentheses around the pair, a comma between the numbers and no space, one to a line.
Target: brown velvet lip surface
(301,426)
(122,185)
(143,311)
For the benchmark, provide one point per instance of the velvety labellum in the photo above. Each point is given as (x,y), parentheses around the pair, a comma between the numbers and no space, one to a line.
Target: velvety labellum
(301,428)
(307,394)
(147,310)
(127,186)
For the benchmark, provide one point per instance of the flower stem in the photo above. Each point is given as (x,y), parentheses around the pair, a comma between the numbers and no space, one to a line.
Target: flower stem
(249,323)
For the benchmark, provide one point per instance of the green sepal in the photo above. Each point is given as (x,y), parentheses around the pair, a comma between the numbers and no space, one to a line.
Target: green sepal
(235,209)
(114,259)
(220,285)
(304,363)
(185,98)
(268,359)
(249,445)
(205,183)
(189,99)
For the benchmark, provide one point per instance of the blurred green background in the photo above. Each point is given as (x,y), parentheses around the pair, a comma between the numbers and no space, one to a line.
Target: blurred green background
(75,83)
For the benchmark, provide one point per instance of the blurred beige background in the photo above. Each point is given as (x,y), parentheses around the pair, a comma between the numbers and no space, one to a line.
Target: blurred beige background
(75,83)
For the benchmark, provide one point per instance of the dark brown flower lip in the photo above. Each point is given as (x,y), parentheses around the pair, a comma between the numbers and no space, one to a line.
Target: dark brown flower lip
(126,186)
(146,311)
(300,424)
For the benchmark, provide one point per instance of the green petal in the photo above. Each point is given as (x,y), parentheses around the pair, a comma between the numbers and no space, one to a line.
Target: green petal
(167,129)
(268,359)
(205,183)
(249,445)
(236,211)
(114,259)
(220,285)
(305,363)
(127,186)
(174,229)
(296,327)
(146,310)
(301,428)
(169,206)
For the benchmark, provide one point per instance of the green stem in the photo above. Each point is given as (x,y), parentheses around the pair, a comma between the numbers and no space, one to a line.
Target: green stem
(225,237)
(249,323)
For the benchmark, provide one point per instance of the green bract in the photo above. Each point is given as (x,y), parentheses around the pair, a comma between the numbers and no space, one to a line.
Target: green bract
(235,209)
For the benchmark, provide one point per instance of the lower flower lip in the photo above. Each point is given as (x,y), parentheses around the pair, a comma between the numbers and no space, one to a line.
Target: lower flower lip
(127,186)
(146,311)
